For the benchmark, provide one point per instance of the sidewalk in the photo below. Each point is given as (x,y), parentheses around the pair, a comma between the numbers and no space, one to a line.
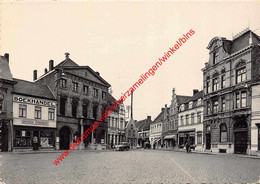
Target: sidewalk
(211,153)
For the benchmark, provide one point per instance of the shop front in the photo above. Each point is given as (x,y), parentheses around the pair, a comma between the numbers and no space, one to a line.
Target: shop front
(170,141)
(186,136)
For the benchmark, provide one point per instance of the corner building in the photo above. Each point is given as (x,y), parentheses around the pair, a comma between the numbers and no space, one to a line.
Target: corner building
(230,78)
(82,98)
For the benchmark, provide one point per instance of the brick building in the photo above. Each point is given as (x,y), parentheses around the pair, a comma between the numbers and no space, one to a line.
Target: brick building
(81,97)
(143,130)
(230,79)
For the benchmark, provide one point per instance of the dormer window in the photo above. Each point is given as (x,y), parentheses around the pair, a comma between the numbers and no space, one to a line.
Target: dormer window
(215,56)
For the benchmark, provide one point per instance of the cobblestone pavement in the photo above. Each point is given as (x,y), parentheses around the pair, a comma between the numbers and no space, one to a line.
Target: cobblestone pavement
(134,166)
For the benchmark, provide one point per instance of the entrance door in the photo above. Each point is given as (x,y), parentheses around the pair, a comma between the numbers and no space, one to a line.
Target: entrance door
(65,136)
(4,137)
(241,142)
(208,141)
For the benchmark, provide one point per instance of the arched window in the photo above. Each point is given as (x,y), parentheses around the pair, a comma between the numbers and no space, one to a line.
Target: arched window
(240,72)
(223,133)
(223,78)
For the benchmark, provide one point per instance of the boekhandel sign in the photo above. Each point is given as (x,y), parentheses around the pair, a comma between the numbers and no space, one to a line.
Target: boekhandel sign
(33,101)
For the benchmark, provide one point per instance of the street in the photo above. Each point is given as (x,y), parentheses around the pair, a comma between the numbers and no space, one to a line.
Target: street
(134,166)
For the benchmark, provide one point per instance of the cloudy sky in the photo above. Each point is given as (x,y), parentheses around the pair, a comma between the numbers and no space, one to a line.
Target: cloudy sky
(122,41)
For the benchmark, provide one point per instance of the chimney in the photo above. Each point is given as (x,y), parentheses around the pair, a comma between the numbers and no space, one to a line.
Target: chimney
(51,65)
(67,55)
(45,70)
(165,106)
(6,56)
(34,75)
(162,109)
(97,73)
(195,91)
(149,117)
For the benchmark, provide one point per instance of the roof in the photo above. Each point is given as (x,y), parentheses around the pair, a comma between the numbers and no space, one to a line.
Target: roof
(195,97)
(32,89)
(143,124)
(5,72)
(111,99)
(182,99)
(159,117)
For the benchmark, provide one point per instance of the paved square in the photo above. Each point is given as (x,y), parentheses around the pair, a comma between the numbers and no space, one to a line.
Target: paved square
(134,166)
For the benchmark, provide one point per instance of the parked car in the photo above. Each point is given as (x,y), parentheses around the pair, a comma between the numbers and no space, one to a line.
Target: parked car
(147,145)
(122,146)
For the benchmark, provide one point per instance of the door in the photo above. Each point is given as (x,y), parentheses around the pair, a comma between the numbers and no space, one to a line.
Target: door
(240,142)
(65,137)
(208,141)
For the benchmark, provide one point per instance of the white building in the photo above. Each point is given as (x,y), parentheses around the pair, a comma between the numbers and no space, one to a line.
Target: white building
(190,123)
(156,131)
(34,114)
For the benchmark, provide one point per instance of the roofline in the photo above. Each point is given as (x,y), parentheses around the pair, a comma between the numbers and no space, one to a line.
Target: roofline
(34,96)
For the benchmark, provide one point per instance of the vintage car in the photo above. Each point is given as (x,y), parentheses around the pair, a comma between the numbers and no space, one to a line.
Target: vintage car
(122,146)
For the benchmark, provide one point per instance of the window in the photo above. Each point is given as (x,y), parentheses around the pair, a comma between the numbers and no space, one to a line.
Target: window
(215,106)
(74,107)
(223,81)
(85,110)
(85,89)
(22,110)
(243,99)
(237,100)
(95,107)
(22,138)
(116,125)
(187,119)
(104,95)
(1,102)
(63,83)
(51,113)
(215,56)
(95,92)
(241,72)
(223,104)
(62,105)
(182,120)
(223,133)
(208,86)
(199,139)
(208,108)
(192,118)
(38,113)
(199,117)
(75,86)
(215,82)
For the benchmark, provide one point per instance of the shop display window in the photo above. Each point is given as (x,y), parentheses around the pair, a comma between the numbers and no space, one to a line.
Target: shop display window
(22,138)
(46,138)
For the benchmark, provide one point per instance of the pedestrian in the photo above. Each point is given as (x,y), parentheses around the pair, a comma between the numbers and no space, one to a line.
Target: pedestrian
(35,143)
(187,147)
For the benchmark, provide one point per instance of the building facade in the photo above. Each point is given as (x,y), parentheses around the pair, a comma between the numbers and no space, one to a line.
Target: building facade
(131,133)
(82,98)
(170,134)
(6,106)
(190,124)
(143,130)
(156,138)
(228,77)
(116,124)
(34,115)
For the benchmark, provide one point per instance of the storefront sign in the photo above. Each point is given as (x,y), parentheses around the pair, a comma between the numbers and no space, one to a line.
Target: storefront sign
(33,101)
(32,122)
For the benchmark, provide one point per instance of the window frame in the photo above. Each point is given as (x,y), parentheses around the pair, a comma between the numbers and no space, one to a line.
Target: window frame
(37,112)
(24,111)
(51,114)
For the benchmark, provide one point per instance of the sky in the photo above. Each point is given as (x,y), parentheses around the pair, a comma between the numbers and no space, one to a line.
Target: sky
(122,40)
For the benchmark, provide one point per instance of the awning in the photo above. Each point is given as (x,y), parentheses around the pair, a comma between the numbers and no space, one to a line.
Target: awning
(169,136)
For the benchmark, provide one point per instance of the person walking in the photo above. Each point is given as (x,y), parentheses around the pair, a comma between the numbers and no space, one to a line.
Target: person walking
(187,145)
(35,143)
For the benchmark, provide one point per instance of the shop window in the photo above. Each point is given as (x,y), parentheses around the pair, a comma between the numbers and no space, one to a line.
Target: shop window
(63,83)
(62,105)
(38,113)
(46,138)
(74,108)
(75,87)
(223,133)
(22,110)
(199,139)
(51,113)
(22,138)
